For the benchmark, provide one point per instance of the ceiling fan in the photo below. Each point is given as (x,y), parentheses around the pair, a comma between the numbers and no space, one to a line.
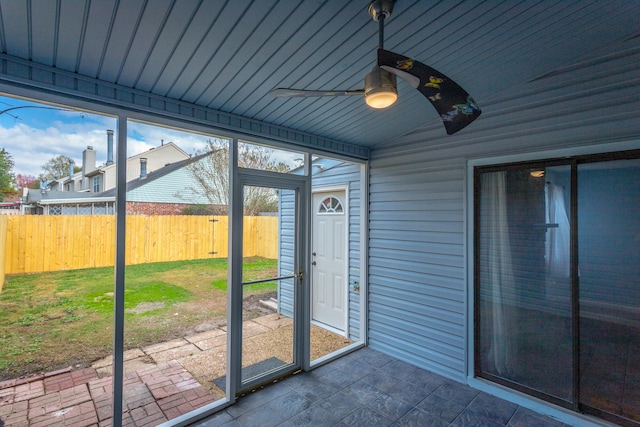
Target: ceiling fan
(455,106)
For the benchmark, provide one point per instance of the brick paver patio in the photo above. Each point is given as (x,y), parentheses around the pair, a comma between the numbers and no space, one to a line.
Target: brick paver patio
(80,398)
(161,381)
(157,387)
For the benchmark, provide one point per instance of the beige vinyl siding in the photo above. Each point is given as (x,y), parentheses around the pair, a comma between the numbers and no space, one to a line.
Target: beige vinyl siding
(157,158)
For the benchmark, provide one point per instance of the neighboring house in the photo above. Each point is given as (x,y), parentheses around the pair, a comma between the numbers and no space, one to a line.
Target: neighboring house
(52,202)
(170,190)
(97,179)
(157,189)
(81,181)
(104,178)
(74,180)
(10,205)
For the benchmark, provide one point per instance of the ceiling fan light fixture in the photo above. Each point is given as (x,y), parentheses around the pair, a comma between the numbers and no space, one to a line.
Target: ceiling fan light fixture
(380,88)
(456,107)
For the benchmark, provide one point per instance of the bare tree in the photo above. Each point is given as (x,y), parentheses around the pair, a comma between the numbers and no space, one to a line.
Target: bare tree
(57,167)
(210,169)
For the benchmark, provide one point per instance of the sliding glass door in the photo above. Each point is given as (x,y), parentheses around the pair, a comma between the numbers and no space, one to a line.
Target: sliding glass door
(524,302)
(609,299)
(557,282)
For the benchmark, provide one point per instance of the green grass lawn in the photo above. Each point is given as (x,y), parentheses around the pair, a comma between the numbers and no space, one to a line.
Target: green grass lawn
(56,319)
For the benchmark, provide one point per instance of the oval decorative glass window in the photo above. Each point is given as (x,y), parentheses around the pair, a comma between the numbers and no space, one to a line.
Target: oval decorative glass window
(330,205)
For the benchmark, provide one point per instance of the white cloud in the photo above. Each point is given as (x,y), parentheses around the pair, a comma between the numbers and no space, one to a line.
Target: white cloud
(33,136)
(156,135)
(31,146)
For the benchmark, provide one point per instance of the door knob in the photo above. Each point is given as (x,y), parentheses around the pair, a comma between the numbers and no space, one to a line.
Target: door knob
(313,253)
(313,263)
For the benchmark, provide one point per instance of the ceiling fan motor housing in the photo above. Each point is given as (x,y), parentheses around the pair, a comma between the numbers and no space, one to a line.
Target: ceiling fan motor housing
(380,88)
(379,8)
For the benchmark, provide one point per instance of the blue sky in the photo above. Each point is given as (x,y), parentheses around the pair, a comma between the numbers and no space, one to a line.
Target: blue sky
(32,136)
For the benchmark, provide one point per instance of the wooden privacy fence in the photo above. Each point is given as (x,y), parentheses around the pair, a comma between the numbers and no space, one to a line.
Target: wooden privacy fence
(35,243)
(3,240)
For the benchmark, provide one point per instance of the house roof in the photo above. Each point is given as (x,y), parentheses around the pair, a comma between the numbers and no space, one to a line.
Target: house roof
(101,169)
(52,196)
(228,55)
(164,146)
(10,198)
(154,175)
(39,196)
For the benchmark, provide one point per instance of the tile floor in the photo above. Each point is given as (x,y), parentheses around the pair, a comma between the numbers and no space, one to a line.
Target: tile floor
(368,388)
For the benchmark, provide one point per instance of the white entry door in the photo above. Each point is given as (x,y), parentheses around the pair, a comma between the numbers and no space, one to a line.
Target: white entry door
(329,260)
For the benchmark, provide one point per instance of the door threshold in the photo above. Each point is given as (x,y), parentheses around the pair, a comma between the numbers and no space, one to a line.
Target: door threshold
(329,328)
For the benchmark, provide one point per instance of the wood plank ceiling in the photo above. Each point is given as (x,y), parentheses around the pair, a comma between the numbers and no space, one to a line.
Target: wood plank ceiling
(228,55)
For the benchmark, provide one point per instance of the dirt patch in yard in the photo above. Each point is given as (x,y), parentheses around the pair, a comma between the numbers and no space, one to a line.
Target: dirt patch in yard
(144,307)
(252,308)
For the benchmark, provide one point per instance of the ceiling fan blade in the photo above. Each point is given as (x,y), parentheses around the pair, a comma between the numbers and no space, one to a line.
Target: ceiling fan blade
(289,93)
(456,107)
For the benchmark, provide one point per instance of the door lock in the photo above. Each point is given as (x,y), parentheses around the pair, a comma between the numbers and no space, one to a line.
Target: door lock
(300,275)
(313,263)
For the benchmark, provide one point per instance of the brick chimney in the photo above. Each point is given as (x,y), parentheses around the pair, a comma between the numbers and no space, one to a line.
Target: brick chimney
(88,160)
(88,165)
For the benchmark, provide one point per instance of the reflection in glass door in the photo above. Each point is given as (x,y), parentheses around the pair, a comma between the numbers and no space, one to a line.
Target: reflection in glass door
(524,303)
(609,248)
(270,279)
